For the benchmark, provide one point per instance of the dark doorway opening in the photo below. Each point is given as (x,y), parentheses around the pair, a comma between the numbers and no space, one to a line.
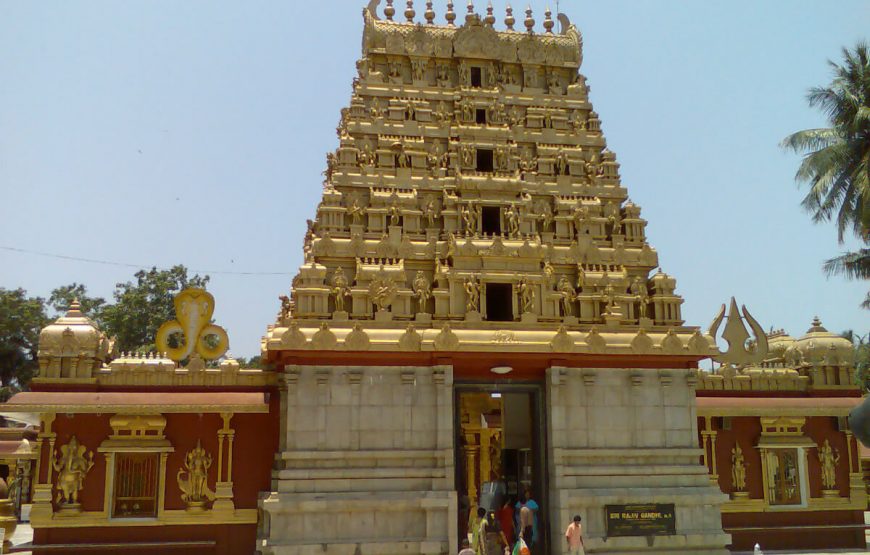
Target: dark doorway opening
(490,219)
(476,77)
(484,160)
(499,302)
(500,450)
(480,116)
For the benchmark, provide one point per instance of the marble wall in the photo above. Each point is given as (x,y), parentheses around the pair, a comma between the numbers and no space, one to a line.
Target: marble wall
(366,463)
(626,436)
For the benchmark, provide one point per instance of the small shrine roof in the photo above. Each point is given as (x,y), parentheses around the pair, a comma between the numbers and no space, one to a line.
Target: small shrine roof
(776,406)
(130,402)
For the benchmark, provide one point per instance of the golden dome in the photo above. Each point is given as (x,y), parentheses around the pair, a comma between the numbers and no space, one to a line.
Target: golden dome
(778,342)
(72,336)
(821,347)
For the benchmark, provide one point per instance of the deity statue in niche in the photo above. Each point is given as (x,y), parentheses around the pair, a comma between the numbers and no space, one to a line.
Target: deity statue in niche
(395,214)
(738,468)
(430,211)
(422,291)
(513,220)
(526,292)
(567,296)
(193,478)
(561,163)
(340,288)
(829,458)
(549,274)
(472,295)
(72,465)
(639,290)
(355,211)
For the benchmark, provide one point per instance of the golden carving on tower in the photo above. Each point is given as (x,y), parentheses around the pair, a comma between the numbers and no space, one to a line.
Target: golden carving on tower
(193,479)
(472,186)
(72,465)
(193,311)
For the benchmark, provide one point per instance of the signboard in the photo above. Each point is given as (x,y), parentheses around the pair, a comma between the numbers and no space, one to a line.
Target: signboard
(640,520)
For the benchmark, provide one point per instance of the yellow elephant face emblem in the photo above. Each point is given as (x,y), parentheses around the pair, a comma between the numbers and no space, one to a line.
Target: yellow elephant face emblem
(193,311)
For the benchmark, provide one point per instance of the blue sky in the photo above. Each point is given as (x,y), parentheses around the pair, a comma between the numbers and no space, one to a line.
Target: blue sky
(165,132)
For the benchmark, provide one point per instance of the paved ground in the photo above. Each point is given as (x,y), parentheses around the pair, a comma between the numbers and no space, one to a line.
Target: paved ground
(24,534)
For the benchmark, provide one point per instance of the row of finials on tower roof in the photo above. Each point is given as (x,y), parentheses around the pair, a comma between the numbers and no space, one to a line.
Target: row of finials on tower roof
(450,15)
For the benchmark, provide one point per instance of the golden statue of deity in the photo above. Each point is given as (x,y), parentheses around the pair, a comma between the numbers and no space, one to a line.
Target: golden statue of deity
(193,311)
(72,465)
(829,458)
(193,478)
(738,468)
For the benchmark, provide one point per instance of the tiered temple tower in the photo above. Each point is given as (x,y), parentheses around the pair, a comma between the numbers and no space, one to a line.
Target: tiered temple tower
(474,230)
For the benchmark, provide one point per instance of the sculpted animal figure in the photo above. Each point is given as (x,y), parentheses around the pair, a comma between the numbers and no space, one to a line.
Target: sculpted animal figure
(193,311)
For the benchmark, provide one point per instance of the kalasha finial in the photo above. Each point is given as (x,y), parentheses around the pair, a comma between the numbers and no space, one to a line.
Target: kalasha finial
(469,17)
(548,21)
(530,21)
(490,18)
(450,16)
(430,14)
(509,18)
(389,11)
(409,11)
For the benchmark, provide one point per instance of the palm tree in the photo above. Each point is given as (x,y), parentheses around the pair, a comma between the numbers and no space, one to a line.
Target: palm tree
(836,162)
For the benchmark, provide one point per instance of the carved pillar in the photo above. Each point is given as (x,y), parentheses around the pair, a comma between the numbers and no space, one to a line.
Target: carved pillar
(224,486)
(471,451)
(42,509)
(715,476)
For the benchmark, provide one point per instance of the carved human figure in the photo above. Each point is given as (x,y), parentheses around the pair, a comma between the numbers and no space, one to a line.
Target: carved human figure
(422,291)
(528,162)
(578,121)
(72,465)
(501,157)
(610,297)
(561,163)
(581,220)
(430,211)
(330,167)
(639,290)
(463,72)
(829,458)
(591,170)
(472,295)
(466,108)
(549,274)
(441,113)
(340,288)
(526,292)
(553,83)
(498,114)
(469,218)
(443,74)
(513,220)
(395,214)
(382,292)
(403,159)
(738,468)
(578,87)
(567,295)
(355,211)
(285,306)
(546,215)
(467,153)
(193,478)
(375,109)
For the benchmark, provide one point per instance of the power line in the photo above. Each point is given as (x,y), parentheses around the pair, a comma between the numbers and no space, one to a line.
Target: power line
(137,266)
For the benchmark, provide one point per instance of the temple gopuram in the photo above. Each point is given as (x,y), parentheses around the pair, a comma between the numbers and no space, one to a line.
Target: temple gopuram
(479,322)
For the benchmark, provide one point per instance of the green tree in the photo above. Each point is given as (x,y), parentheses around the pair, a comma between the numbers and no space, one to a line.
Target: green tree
(836,163)
(21,319)
(62,297)
(142,306)
(862,357)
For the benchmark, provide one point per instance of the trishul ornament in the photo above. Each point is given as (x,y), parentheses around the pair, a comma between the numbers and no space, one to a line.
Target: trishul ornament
(193,312)
(739,354)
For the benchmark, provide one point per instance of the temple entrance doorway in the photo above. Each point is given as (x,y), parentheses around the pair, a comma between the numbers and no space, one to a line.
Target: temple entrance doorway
(500,456)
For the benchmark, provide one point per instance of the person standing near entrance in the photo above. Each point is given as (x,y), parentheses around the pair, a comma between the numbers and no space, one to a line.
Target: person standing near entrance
(527,518)
(478,535)
(574,537)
